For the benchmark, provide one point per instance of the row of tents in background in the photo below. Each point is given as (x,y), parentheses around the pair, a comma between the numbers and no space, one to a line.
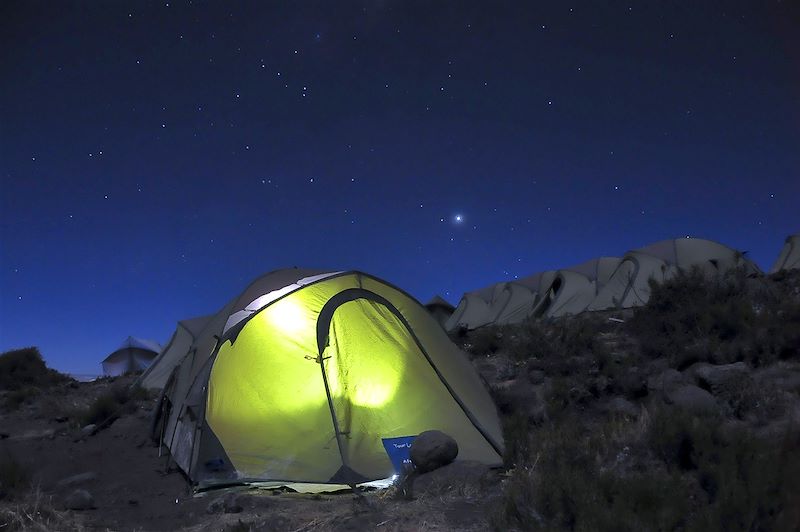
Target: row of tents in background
(599,284)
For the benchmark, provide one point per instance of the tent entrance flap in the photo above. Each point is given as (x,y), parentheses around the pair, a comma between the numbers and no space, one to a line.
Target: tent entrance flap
(381,386)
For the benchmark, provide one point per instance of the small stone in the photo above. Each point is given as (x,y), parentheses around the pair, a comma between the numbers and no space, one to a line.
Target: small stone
(76,479)
(433,449)
(229,504)
(79,500)
(88,429)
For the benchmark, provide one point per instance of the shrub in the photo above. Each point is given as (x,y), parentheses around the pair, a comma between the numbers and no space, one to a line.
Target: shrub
(563,487)
(15,398)
(14,476)
(691,318)
(22,368)
(115,402)
(749,483)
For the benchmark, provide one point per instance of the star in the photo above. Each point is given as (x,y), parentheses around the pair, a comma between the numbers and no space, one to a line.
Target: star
(458,218)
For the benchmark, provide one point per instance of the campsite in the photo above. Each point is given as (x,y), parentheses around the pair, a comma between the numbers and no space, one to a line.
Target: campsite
(680,412)
(392,265)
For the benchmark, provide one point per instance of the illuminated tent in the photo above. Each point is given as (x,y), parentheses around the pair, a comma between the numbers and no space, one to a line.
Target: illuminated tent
(789,258)
(186,334)
(304,375)
(629,284)
(133,355)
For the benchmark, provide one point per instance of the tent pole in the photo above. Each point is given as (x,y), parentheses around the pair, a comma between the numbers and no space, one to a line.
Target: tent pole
(338,434)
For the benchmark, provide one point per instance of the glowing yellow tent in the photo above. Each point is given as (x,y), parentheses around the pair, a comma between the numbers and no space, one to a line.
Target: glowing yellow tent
(310,375)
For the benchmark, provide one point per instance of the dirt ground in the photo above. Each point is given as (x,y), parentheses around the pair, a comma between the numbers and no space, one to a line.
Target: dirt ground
(132,490)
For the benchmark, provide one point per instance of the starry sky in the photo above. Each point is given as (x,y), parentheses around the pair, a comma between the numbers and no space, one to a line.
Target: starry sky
(155,157)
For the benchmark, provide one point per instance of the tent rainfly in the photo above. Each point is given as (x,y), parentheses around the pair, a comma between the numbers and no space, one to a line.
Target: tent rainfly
(789,258)
(440,309)
(304,377)
(133,355)
(629,284)
(186,333)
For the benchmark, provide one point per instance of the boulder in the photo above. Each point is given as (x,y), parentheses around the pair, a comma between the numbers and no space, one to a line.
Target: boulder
(665,381)
(79,500)
(692,398)
(723,380)
(433,449)
(781,376)
(623,407)
(88,430)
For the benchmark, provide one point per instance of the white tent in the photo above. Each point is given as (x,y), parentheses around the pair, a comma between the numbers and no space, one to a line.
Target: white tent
(571,290)
(629,285)
(133,355)
(440,309)
(506,302)
(186,333)
(789,258)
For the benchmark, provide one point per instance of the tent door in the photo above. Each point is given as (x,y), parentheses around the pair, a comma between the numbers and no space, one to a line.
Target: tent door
(364,346)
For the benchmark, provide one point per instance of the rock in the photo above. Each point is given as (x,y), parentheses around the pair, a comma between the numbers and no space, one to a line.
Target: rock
(692,398)
(536,376)
(79,500)
(782,376)
(632,383)
(35,435)
(229,503)
(88,429)
(621,406)
(76,479)
(667,380)
(433,449)
(725,380)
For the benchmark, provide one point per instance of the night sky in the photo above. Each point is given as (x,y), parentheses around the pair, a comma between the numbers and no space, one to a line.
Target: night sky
(157,156)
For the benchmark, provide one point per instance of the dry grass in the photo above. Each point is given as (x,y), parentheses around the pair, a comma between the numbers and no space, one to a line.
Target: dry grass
(35,512)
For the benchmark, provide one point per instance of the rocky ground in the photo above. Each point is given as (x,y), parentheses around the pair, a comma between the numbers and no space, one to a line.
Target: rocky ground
(682,415)
(60,475)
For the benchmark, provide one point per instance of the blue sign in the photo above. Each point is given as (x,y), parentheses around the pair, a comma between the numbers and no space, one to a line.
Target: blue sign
(399,451)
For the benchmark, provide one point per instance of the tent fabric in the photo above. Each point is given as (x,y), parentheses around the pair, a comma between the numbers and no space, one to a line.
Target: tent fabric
(440,309)
(506,302)
(629,285)
(186,333)
(550,293)
(789,257)
(135,354)
(571,290)
(304,387)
